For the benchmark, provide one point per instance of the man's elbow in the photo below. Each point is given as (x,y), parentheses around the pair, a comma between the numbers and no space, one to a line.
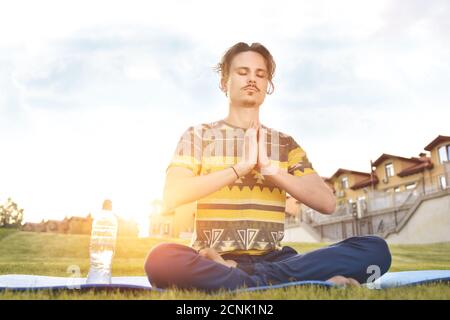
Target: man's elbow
(169,201)
(330,206)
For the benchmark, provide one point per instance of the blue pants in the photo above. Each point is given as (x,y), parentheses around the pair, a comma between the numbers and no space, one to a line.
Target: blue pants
(176,265)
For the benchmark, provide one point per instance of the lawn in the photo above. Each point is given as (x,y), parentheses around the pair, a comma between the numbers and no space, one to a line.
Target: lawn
(52,254)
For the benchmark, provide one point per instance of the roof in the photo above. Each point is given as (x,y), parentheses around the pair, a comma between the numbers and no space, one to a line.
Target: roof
(341,171)
(425,163)
(436,141)
(385,156)
(366,182)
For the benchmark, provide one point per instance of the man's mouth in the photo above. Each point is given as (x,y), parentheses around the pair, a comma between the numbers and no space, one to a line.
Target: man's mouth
(251,88)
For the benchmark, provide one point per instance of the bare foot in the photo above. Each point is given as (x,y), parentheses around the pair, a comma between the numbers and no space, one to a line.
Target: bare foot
(212,254)
(343,281)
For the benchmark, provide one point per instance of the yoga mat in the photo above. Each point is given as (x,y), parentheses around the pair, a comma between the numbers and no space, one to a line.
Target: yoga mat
(19,282)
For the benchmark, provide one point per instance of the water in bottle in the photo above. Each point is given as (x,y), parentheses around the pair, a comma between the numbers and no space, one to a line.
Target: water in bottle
(102,245)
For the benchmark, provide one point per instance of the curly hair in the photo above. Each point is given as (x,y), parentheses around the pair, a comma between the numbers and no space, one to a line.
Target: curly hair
(223,67)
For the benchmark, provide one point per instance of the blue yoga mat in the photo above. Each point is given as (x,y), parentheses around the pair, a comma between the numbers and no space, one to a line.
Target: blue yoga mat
(18,282)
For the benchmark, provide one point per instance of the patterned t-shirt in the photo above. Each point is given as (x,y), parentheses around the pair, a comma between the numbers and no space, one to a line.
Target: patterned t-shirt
(247,216)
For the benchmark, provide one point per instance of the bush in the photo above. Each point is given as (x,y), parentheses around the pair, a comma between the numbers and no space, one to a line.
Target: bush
(11,215)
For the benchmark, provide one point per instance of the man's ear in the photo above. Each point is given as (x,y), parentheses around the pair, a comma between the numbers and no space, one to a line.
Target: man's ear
(223,85)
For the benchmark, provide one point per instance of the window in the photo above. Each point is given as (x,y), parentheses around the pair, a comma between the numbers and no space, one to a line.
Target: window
(344,183)
(410,186)
(444,153)
(389,170)
(397,189)
(166,228)
(442,182)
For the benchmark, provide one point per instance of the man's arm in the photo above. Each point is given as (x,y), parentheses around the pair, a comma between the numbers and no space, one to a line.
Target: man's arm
(182,186)
(309,189)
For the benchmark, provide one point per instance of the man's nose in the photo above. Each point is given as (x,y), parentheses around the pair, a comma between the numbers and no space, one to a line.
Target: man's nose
(251,78)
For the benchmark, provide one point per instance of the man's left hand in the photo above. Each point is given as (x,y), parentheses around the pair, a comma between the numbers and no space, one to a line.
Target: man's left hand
(264,164)
(213,255)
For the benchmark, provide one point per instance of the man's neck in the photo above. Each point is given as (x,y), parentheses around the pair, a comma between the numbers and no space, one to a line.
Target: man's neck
(242,117)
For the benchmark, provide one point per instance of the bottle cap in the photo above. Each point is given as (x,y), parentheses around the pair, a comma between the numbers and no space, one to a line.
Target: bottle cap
(107,205)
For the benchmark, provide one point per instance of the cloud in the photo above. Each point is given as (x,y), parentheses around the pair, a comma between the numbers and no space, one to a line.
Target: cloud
(136,67)
(93,101)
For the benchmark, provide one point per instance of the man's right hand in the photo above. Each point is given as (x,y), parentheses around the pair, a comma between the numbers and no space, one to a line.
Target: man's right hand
(249,153)
(213,255)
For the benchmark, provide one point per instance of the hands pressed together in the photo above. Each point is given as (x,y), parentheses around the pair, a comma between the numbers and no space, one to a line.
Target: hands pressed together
(254,153)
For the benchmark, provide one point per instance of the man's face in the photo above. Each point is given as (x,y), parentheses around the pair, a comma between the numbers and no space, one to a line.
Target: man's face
(247,80)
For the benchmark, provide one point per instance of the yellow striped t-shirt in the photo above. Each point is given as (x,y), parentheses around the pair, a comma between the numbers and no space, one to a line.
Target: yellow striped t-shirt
(246,216)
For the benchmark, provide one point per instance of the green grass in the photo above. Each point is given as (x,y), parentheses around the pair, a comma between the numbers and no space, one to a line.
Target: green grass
(52,254)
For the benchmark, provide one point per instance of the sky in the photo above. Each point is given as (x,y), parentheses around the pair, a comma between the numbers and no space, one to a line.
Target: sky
(94,95)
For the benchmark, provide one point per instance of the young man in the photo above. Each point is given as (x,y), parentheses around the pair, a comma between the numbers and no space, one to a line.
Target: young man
(239,171)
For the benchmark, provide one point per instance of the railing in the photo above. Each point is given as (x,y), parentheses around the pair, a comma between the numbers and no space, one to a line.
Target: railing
(378,201)
(292,221)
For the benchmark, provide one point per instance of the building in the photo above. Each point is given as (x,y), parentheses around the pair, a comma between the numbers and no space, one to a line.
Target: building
(396,191)
(80,225)
(34,227)
(56,226)
(439,149)
(343,182)
(72,225)
(399,174)
(127,228)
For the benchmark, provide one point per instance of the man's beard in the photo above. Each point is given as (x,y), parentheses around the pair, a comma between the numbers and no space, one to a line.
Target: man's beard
(247,103)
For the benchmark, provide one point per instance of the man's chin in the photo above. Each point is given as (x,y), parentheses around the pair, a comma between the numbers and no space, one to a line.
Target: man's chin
(250,103)
(247,103)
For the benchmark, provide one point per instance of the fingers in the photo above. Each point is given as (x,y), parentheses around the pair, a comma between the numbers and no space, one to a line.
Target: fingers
(203,253)
(246,154)
(209,253)
(262,147)
(250,145)
(266,168)
(253,153)
(249,149)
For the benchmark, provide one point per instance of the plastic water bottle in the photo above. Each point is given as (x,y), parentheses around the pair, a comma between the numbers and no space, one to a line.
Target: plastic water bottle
(102,245)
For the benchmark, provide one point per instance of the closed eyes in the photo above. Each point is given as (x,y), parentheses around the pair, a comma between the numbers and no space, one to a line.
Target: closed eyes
(244,71)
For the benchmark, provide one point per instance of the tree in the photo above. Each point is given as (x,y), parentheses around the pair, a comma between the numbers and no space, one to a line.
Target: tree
(10,214)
